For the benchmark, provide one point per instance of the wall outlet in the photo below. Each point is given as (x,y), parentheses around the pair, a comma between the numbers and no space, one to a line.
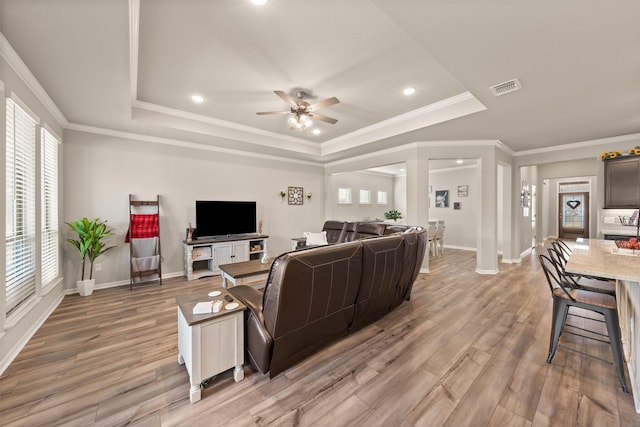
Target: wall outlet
(97,266)
(609,220)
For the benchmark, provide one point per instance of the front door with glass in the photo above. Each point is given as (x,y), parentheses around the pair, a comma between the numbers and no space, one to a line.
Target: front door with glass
(573,215)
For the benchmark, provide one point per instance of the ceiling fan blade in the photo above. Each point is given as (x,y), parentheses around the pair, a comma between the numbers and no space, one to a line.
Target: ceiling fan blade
(323,104)
(263,113)
(323,118)
(286,98)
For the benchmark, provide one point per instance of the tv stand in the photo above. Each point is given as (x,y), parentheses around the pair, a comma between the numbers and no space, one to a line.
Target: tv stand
(203,257)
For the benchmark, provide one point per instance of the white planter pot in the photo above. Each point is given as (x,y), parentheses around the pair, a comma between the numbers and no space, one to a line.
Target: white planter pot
(85,287)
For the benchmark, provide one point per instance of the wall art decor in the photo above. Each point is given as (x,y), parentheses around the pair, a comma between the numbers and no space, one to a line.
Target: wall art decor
(296,195)
(442,198)
(463,190)
(456,205)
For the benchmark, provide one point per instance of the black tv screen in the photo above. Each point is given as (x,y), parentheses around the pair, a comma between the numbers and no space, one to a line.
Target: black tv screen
(220,218)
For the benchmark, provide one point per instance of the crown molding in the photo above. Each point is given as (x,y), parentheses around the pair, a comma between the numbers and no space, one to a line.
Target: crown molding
(578,145)
(185,144)
(134,37)
(454,169)
(386,151)
(447,109)
(201,124)
(17,64)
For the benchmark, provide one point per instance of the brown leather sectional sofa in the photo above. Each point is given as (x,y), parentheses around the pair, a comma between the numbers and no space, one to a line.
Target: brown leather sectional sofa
(317,295)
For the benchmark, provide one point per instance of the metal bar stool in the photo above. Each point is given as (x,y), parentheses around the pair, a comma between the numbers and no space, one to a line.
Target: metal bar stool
(565,297)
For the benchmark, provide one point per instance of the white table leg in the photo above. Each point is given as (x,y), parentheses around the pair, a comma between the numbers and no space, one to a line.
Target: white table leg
(238,373)
(195,393)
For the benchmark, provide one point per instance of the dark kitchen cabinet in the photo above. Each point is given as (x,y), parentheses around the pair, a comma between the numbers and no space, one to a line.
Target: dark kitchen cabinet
(622,183)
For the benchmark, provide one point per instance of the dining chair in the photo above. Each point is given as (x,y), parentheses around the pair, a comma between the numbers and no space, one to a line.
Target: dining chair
(439,238)
(565,297)
(431,237)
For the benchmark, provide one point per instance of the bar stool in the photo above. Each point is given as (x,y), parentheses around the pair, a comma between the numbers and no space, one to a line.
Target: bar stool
(580,282)
(565,297)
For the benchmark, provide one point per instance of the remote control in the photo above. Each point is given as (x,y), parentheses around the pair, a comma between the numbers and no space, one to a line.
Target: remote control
(228,298)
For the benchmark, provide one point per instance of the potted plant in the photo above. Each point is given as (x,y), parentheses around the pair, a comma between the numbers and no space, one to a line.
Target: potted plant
(393,214)
(90,245)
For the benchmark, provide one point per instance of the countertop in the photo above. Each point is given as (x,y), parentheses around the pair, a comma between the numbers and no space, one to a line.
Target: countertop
(602,258)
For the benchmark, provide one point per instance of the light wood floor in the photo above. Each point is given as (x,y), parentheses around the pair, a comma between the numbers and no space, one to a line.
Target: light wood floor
(467,350)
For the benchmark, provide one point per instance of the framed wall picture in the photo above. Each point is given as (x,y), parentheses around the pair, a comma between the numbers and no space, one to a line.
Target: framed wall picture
(456,205)
(296,195)
(463,190)
(442,198)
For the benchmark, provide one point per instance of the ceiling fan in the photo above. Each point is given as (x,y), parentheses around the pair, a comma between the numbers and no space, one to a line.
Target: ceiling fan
(301,111)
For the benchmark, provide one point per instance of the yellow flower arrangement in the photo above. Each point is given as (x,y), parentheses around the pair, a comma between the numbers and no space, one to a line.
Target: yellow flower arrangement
(610,155)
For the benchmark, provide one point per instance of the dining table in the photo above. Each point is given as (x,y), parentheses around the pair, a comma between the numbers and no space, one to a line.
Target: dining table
(603,258)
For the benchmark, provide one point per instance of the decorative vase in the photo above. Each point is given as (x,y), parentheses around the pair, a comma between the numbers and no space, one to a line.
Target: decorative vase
(85,287)
(265,258)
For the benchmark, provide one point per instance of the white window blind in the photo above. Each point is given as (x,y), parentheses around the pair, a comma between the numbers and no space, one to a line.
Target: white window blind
(20,206)
(49,206)
(344,195)
(365,197)
(382,197)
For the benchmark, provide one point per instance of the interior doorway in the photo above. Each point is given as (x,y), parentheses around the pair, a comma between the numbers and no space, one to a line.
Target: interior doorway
(573,215)
(534,210)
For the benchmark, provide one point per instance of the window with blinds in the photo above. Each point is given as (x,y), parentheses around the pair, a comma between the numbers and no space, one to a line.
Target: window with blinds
(49,206)
(20,206)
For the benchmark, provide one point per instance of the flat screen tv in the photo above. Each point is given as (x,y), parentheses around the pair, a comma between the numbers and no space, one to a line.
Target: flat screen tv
(221,218)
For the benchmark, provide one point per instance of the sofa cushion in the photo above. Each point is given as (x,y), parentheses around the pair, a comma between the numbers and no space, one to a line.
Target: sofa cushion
(257,338)
(333,229)
(315,239)
(369,229)
(310,299)
(348,232)
(382,267)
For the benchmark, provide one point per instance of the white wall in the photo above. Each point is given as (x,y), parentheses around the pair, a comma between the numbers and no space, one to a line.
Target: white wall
(102,171)
(356,181)
(400,193)
(460,231)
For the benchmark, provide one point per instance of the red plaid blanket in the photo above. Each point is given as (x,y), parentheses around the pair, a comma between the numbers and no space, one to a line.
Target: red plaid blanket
(142,226)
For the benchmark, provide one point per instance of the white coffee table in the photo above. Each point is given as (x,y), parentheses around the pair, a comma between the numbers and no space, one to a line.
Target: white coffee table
(245,273)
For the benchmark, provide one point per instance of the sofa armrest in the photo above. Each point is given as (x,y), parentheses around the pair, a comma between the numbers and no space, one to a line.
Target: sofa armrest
(259,342)
(249,296)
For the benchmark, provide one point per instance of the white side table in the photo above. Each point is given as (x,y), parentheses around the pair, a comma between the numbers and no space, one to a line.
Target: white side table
(209,344)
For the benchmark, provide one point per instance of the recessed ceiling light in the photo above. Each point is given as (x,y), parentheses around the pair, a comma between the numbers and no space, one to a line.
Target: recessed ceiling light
(409,91)
(459,161)
(197,99)
(316,131)
(259,2)
(402,169)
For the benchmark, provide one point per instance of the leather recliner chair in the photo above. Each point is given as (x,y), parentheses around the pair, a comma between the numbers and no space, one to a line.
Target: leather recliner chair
(309,301)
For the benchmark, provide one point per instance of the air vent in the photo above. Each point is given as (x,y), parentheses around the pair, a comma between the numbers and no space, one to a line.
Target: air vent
(506,87)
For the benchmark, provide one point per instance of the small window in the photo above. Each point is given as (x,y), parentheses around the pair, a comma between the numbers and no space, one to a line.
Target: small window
(382,197)
(365,197)
(344,195)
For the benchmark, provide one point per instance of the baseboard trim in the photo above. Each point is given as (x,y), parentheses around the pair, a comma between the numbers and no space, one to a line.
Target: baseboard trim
(462,248)
(525,254)
(121,283)
(13,352)
(482,271)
